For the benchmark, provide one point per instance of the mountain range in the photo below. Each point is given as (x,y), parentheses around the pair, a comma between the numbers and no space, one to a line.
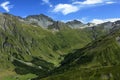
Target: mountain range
(40,48)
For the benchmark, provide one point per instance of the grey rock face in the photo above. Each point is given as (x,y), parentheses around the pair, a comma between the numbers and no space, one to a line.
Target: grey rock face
(116,26)
(41,20)
(106,26)
(58,25)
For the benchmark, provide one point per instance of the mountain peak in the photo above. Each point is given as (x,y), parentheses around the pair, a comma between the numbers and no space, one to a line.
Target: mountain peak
(41,20)
(75,24)
(75,21)
(39,16)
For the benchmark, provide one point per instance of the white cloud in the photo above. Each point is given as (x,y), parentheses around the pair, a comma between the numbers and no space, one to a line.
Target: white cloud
(47,2)
(94,2)
(65,8)
(99,21)
(89,2)
(6,6)
(78,5)
(110,2)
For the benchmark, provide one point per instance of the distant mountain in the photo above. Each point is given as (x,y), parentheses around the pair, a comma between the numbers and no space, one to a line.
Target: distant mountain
(99,30)
(116,24)
(75,24)
(46,22)
(108,26)
(41,20)
(58,25)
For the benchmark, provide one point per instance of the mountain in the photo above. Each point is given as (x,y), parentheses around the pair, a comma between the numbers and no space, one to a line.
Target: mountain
(117,25)
(39,47)
(99,30)
(47,22)
(58,25)
(98,60)
(75,24)
(40,20)
(108,26)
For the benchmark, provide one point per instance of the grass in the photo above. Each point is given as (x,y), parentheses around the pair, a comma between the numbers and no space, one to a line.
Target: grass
(11,75)
(19,77)
(103,73)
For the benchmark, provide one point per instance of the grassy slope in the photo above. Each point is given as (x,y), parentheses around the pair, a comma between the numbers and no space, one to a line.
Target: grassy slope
(99,60)
(11,75)
(105,73)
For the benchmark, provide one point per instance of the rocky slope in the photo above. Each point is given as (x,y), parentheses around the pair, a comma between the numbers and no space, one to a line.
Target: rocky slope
(40,20)
(58,25)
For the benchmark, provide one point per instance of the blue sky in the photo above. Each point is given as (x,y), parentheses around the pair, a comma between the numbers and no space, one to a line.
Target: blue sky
(85,10)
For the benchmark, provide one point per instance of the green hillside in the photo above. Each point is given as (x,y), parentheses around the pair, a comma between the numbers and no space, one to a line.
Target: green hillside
(99,60)
(27,48)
